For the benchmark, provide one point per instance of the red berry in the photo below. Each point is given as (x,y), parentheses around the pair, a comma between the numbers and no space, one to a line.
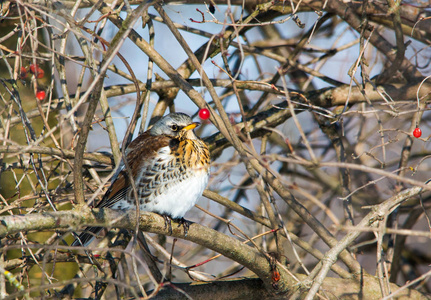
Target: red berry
(33,68)
(417,132)
(36,70)
(40,95)
(23,73)
(40,73)
(204,114)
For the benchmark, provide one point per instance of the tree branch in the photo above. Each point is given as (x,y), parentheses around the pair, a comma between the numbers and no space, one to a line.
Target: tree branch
(245,255)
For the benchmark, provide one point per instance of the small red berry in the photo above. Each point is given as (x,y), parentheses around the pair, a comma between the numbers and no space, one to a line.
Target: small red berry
(417,132)
(36,70)
(40,73)
(275,275)
(40,95)
(204,114)
(23,73)
(33,68)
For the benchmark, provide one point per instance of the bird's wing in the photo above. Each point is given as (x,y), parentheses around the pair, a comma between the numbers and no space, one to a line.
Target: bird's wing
(141,152)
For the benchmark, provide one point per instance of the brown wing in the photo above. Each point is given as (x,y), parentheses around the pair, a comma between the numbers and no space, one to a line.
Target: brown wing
(143,148)
(140,150)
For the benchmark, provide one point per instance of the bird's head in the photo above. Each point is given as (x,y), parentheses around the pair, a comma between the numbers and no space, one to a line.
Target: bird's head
(176,125)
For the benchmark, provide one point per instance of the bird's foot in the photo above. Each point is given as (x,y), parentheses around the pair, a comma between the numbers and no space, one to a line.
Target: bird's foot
(186,225)
(168,223)
(181,221)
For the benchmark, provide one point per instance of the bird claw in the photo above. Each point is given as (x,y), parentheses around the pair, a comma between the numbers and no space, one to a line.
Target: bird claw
(186,225)
(168,223)
(181,221)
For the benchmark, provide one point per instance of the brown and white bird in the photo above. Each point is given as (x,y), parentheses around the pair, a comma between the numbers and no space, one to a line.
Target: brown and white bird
(170,167)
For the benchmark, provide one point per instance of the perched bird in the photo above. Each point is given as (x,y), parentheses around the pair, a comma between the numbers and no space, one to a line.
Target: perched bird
(170,167)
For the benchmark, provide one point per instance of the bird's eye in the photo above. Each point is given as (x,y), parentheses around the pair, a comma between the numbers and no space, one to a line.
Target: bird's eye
(174,128)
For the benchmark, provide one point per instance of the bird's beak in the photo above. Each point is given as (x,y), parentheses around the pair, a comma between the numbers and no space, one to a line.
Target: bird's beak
(191,126)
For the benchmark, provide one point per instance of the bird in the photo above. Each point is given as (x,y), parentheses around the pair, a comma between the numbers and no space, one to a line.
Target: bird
(170,167)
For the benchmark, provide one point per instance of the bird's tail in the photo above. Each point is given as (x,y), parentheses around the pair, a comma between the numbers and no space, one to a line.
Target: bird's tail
(87,236)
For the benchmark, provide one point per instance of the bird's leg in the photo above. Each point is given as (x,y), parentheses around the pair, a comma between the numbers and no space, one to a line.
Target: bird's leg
(168,223)
(186,225)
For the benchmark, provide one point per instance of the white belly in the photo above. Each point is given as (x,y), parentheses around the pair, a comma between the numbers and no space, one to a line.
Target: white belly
(178,199)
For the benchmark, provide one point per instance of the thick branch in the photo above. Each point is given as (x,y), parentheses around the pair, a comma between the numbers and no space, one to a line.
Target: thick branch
(211,239)
(327,97)
(252,288)
(367,287)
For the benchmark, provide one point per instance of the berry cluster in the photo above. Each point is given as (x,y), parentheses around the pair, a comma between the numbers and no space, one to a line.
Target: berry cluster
(33,69)
(39,73)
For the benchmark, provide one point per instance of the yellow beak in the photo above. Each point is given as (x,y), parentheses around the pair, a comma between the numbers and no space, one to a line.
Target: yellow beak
(191,126)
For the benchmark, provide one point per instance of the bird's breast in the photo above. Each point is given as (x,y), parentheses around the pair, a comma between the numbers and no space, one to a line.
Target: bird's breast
(176,178)
(193,154)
